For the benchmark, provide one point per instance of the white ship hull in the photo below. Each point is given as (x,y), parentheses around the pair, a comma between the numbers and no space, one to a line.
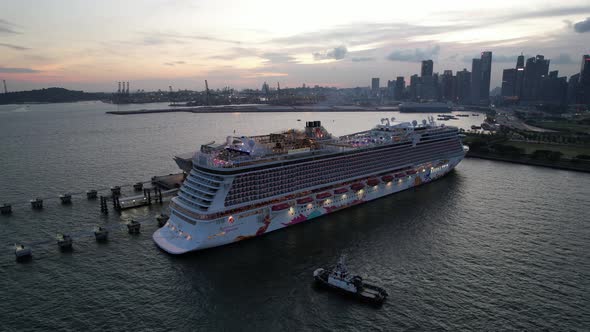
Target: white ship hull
(178,236)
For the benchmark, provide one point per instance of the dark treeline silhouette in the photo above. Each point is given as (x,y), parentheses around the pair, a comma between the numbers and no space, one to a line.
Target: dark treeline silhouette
(50,95)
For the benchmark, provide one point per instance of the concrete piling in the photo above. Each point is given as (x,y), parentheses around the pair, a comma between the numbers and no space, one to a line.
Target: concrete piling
(116,191)
(37,204)
(6,209)
(91,194)
(138,186)
(65,199)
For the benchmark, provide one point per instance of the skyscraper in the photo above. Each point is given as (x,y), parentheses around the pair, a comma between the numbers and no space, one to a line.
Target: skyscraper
(427,68)
(463,86)
(390,89)
(475,81)
(536,69)
(519,76)
(400,85)
(520,61)
(414,87)
(447,86)
(585,79)
(509,82)
(375,85)
(486,74)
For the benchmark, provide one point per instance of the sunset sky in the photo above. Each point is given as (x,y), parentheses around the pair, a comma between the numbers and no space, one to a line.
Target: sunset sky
(90,45)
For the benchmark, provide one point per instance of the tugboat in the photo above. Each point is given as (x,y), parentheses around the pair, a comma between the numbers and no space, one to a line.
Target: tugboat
(339,278)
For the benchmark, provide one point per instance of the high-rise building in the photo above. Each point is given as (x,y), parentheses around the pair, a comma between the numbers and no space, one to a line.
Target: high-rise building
(375,85)
(390,89)
(574,93)
(519,76)
(447,86)
(475,81)
(414,87)
(486,75)
(463,86)
(509,82)
(536,69)
(520,61)
(553,89)
(400,85)
(585,79)
(428,87)
(427,68)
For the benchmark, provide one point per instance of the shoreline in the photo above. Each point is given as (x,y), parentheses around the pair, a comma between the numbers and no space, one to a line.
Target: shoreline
(257,109)
(562,164)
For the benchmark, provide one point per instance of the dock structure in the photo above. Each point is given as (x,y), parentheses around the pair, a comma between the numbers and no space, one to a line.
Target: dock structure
(22,253)
(138,186)
(167,182)
(64,241)
(116,203)
(116,191)
(65,199)
(103,205)
(133,227)
(161,186)
(91,194)
(101,234)
(37,204)
(6,209)
(162,219)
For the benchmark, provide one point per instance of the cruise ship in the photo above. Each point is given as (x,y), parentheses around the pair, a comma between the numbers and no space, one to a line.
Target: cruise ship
(252,185)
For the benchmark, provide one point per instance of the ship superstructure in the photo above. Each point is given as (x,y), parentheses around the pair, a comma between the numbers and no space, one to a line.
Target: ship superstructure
(251,185)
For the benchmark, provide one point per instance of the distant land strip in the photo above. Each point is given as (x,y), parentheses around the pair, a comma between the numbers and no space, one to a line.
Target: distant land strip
(580,166)
(260,109)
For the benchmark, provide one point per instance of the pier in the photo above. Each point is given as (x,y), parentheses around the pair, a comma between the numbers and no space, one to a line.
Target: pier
(161,186)
(24,250)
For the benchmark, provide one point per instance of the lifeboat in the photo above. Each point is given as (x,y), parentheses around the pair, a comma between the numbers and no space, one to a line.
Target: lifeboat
(304,200)
(372,182)
(399,176)
(411,172)
(387,178)
(340,191)
(357,186)
(323,195)
(280,207)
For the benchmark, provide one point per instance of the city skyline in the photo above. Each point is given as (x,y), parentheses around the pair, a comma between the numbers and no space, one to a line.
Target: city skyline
(92,46)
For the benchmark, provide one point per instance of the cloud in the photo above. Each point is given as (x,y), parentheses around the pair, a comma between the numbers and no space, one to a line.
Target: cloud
(337,53)
(175,36)
(563,59)
(7,27)
(363,59)
(174,63)
(582,26)
(14,47)
(236,53)
(275,57)
(18,70)
(415,55)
